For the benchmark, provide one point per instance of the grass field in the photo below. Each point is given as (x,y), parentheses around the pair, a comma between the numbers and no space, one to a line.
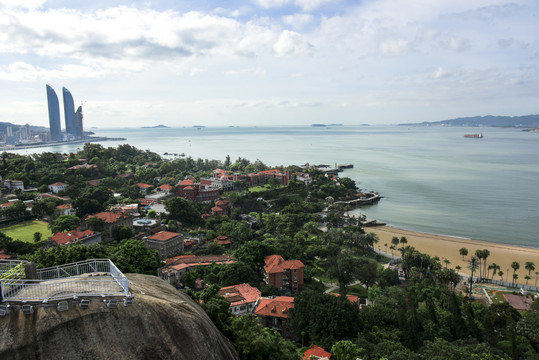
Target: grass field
(25,231)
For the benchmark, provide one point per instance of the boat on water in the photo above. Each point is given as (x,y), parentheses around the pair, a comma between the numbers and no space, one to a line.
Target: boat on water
(475,136)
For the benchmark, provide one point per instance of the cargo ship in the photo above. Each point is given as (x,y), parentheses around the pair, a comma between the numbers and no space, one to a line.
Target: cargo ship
(475,136)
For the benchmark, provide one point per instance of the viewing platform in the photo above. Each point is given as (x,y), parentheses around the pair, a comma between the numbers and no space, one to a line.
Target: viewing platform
(84,281)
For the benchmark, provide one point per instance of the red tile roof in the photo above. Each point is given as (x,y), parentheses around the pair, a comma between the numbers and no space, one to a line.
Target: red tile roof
(173,259)
(144,186)
(165,187)
(63,238)
(58,184)
(108,217)
(277,307)
(351,298)
(221,203)
(187,182)
(316,351)
(66,206)
(276,264)
(240,294)
(163,236)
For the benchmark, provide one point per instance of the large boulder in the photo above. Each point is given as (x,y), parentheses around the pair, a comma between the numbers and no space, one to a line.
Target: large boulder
(162,323)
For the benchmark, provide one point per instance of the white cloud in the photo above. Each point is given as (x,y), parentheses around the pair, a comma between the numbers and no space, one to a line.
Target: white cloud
(394,47)
(310,5)
(291,43)
(22,4)
(298,21)
(266,4)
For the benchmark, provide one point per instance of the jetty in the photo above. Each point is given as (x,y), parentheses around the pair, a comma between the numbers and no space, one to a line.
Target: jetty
(361,198)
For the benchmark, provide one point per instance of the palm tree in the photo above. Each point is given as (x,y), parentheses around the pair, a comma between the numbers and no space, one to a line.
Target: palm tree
(515,277)
(530,266)
(479,256)
(486,254)
(463,252)
(473,266)
(403,241)
(536,273)
(386,247)
(395,241)
(515,265)
(527,277)
(447,262)
(494,267)
(500,274)
(458,267)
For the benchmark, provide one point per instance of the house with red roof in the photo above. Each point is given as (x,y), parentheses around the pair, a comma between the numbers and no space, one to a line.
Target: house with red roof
(65,209)
(285,275)
(110,221)
(175,271)
(223,240)
(273,313)
(168,243)
(316,353)
(242,298)
(84,237)
(57,187)
(144,188)
(361,302)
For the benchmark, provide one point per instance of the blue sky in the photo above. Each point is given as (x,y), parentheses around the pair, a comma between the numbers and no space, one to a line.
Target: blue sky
(269,62)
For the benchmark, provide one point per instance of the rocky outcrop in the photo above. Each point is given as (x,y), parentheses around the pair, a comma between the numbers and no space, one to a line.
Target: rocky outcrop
(162,323)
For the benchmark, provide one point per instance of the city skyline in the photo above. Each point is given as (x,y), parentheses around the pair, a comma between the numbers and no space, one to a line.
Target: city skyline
(270,62)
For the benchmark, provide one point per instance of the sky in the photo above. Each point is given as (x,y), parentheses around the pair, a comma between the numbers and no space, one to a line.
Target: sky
(269,62)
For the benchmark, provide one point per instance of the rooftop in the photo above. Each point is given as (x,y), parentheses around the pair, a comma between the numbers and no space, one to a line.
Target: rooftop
(164,236)
(277,307)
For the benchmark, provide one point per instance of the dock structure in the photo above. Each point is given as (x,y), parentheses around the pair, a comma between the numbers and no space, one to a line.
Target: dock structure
(365,199)
(21,284)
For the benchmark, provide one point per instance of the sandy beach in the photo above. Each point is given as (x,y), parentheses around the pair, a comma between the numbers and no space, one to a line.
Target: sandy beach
(447,247)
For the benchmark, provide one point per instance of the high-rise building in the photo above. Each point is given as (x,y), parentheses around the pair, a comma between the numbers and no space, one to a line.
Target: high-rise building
(79,130)
(54,115)
(69,112)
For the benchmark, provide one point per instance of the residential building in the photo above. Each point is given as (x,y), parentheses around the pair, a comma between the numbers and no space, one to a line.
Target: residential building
(242,298)
(273,313)
(165,188)
(65,209)
(110,221)
(361,302)
(166,242)
(174,271)
(86,237)
(14,185)
(54,114)
(57,187)
(316,353)
(144,188)
(223,240)
(286,275)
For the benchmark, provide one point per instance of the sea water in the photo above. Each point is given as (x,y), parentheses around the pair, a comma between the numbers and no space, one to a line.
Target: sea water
(432,178)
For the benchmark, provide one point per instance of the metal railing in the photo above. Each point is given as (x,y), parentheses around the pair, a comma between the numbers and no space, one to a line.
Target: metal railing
(98,277)
(12,269)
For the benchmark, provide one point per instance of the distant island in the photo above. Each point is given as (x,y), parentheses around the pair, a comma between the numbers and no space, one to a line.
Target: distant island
(198,126)
(156,127)
(526,121)
(324,125)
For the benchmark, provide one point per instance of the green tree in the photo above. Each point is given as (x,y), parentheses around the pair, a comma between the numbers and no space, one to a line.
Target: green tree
(133,256)
(37,236)
(183,210)
(515,265)
(65,223)
(346,350)
(463,252)
(121,233)
(152,214)
(95,223)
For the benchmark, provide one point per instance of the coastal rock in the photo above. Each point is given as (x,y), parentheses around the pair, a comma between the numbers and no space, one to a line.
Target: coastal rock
(162,323)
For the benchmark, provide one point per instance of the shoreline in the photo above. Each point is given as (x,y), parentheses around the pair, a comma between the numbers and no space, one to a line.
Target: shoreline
(447,247)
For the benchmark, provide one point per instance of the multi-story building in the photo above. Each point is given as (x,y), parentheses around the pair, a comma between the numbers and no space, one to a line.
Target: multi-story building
(69,112)
(110,221)
(273,313)
(54,114)
(242,298)
(175,269)
(197,192)
(79,130)
(14,185)
(57,187)
(285,275)
(77,236)
(166,242)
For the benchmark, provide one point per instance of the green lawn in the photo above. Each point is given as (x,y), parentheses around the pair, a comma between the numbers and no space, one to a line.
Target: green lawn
(25,231)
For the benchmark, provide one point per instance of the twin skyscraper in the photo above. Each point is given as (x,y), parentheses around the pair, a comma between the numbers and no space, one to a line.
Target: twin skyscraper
(73,120)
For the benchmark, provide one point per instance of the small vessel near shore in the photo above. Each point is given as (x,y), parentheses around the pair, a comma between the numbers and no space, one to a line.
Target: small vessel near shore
(474,136)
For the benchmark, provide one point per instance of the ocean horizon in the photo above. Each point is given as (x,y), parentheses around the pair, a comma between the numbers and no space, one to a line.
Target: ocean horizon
(432,178)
